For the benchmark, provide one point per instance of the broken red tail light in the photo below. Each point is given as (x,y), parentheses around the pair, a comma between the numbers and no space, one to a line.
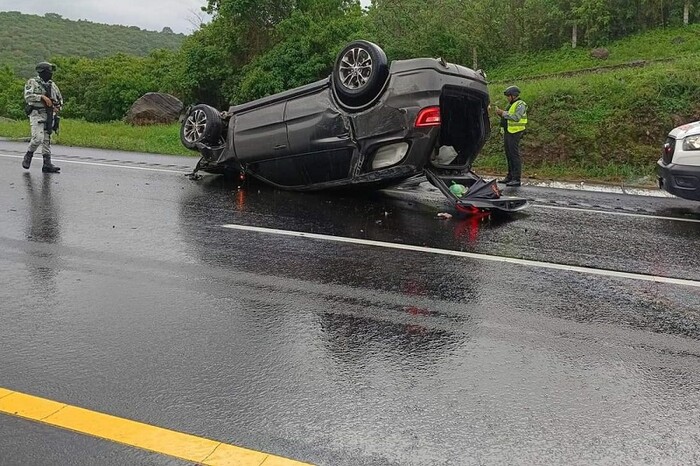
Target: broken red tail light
(429,116)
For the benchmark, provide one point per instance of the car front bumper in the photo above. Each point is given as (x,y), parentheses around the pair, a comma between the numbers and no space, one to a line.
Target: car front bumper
(679,180)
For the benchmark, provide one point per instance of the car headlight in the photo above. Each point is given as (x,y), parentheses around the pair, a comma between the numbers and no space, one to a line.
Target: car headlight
(691,143)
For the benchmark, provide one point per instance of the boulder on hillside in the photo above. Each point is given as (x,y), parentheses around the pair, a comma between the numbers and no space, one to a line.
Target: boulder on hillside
(678,40)
(600,53)
(154,108)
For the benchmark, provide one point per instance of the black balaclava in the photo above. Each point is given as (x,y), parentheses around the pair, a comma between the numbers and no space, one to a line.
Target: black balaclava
(46,75)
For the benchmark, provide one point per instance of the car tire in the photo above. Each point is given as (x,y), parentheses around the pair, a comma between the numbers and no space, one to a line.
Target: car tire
(359,73)
(202,124)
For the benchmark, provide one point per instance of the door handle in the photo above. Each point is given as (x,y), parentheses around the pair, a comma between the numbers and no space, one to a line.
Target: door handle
(280,147)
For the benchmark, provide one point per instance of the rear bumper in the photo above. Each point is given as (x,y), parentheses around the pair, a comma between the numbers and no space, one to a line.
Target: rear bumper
(679,180)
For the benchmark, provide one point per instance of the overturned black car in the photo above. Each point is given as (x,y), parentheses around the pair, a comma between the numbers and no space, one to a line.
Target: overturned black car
(368,125)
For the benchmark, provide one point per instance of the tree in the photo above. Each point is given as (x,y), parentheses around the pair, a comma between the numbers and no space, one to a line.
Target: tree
(307,44)
(594,17)
(104,89)
(208,61)
(11,94)
(252,22)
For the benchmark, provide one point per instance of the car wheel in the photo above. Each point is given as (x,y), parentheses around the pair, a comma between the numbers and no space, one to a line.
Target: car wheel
(359,73)
(202,124)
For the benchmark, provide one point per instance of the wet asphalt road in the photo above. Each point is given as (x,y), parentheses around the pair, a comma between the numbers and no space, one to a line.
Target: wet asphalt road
(121,292)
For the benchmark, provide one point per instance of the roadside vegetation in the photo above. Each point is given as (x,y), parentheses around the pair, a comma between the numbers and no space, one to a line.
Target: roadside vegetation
(117,135)
(590,118)
(602,125)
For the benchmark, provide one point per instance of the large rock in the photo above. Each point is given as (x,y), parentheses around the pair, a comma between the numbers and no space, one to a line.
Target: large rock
(600,53)
(678,40)
(154,108)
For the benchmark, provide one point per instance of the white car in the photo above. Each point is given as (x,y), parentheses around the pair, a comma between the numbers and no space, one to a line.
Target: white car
(679,165)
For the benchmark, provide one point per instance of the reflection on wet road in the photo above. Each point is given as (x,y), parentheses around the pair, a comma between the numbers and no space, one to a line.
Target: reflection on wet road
(42,226)
(121,292)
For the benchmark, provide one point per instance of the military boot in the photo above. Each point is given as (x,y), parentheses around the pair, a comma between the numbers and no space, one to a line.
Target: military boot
(27,161)
(48,166)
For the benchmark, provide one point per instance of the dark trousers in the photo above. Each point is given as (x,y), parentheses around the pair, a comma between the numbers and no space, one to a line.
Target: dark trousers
(511,142)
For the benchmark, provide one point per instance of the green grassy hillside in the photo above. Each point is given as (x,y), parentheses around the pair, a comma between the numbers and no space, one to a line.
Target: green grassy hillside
(603,119)
(28,39)
(654,45)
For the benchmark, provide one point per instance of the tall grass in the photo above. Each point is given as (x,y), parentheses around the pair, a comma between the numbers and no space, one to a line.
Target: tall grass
(606,126)
(158,139)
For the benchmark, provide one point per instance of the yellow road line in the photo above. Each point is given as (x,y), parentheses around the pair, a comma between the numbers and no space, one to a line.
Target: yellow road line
(136,434)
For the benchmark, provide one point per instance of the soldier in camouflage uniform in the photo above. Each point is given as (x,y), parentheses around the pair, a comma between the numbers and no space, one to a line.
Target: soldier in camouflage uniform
(43,100)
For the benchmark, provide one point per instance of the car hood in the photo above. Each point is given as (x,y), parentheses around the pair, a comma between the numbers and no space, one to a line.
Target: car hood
(686,130)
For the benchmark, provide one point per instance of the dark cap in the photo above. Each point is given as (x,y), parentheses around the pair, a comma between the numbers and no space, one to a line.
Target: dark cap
(45,66)
(512,90)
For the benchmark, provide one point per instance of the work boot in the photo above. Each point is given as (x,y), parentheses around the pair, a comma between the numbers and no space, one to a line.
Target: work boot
(513,183)
(505,180)
(48,166)
(27,160)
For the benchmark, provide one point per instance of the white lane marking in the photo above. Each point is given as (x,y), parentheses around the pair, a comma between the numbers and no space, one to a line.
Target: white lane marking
(472,255)
(600,188)
(622,214)
(164,170)
(97,164)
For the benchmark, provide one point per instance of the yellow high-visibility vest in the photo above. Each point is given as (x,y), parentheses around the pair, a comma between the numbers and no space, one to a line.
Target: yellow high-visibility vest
(517,126)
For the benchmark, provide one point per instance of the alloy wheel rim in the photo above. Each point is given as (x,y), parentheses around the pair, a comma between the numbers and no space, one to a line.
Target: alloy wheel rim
(355,68)
(195,125)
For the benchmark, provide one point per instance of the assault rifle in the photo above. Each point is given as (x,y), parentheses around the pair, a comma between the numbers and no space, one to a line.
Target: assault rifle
(52,121)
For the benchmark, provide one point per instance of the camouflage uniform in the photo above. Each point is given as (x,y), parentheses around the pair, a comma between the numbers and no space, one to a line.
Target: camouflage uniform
(33,91)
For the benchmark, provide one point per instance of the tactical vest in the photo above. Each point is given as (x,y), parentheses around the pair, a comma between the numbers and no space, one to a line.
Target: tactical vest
(517,126)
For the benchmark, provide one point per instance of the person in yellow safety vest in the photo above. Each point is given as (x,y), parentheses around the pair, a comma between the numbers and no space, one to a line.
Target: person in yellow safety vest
(513,124)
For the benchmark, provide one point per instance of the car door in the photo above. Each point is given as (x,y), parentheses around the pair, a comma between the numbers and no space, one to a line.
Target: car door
(260,133)
(319,135)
